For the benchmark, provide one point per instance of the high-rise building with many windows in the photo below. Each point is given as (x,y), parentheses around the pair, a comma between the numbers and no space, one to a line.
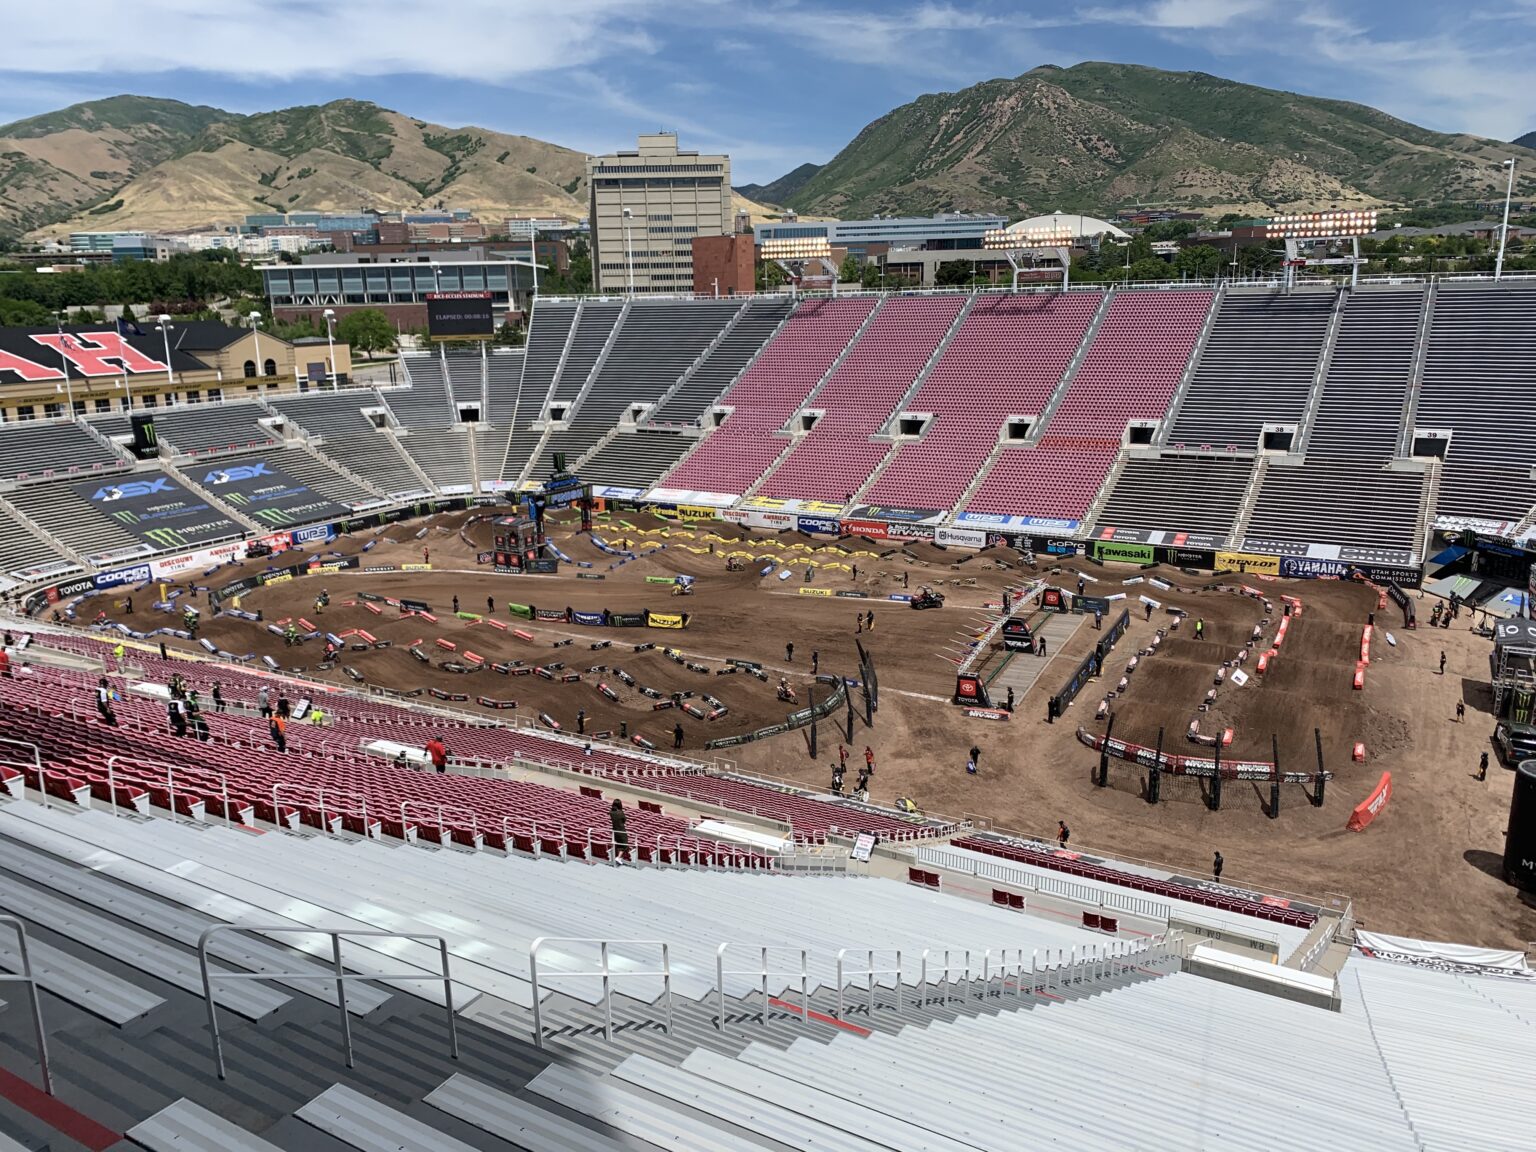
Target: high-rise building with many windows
(647,207)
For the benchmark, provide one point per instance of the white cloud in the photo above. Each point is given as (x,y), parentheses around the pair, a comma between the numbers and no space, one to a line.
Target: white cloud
(494,40)
(1179,14)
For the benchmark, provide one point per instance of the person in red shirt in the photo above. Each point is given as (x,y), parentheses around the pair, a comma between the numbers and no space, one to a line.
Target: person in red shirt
(437,752)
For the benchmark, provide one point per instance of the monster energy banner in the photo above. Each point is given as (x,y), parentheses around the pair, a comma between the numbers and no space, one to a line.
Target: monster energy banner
(265,493)
(158,511)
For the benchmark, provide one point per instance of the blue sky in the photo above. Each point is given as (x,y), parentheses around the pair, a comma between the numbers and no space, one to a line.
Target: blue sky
(772,82)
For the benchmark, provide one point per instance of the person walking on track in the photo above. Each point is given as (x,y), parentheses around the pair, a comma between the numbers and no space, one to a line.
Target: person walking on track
(1482,767)
(1063,833)
(1442,663)
(1216,866)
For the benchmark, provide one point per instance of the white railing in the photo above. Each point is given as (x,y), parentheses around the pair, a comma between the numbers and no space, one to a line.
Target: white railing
(444,835)
(763,973)
(170,785)
(1002,873)
(606,973)
(35,764)
(25,977)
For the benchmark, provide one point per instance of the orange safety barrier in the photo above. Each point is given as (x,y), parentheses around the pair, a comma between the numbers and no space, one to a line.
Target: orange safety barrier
(473,657)
(1263,665)
(1369,808)
(1365,644)
(1285,623)
(521,635)
(374,608)
(306,625)
(368,636)
(1226,738)
(1359,677)
(448,644)
(496,624)
(1358,753)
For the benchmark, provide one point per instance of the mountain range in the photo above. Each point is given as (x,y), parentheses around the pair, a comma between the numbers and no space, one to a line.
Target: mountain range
(1096,137)
(1090,138)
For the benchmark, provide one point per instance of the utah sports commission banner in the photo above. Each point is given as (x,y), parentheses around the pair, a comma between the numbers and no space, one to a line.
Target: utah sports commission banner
(265,492)
(158,511)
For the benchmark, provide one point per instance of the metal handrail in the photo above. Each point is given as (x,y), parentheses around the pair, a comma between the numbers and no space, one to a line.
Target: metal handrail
(26,977)
(337,974)
(762,972)
(319,794)
(943,972)
(441,809)
(607,974)
(508,822)
(37,763)
(870,972)
(170,785)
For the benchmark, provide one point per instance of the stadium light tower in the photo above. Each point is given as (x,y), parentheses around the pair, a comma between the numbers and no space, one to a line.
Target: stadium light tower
(165,332)
(794,255)
(255,319)
(1333,225)
(69,385)
(1509,192)
(629,255)
(1018,244)
(330,340)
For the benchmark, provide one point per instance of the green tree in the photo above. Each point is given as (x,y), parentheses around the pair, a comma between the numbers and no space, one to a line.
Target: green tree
(367,330)
(1200,261)
(954,272)
(770,275)
(851,271)
(19,313)
(510,334)
(1150,268)
(1254,258)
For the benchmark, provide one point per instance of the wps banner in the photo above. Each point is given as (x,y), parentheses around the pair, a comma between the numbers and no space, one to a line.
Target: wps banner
(1369,808)
(666,620)
(1465,958)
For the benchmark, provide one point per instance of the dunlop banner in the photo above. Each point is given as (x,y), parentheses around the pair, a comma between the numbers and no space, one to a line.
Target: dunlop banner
(665,620)
(815,591)
(1248,562)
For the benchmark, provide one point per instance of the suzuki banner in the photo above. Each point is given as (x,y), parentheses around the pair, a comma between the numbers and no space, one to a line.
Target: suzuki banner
(158,511)
(264,492)
(666,620)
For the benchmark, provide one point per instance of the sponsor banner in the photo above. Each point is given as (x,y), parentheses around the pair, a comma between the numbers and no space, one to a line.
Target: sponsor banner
(664,620)
(1306,568)
(264,492)
(1369,808)
(542,567)
(1000,523)
(810,507)
(1192,540)
(137,574)
(607,492)
(696,512)
(1124,535)
(275,577)
(874,529)
(986,714)
(158,511)
(72,588)
(490,703)
(961,537)
(201,559)
(557,614)
(314,534)
(1248,562)
(239,586)
(904,531)
(817,525)
(590,619)
(754,518)
(815,591)
(1186,557)
(1444,957)
(380,568)
(415,606)
(896,515)
(626,619)
(661,579)
(1114,550)
(854,594)
(591,576)
(484,557)
(415,567)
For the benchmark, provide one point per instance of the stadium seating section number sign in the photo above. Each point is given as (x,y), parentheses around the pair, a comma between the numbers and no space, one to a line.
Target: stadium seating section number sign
(460,316)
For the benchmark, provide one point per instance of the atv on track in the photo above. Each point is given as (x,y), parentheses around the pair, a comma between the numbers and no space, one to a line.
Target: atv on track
(928,598)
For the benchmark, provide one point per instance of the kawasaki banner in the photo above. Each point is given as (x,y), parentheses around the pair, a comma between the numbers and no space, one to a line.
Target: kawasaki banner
(265,493)
(158,510)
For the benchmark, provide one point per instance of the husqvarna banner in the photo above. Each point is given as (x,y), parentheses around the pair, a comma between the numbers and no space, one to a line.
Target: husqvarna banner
(157,510)
(264,492)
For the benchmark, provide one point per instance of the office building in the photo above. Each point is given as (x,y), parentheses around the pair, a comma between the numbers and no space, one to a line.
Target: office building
(670,197)
(102,241)
(724,265)
(869,239)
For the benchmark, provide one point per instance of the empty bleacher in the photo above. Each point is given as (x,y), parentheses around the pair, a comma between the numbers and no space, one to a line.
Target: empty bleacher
(504,374)
(198,428)
(636,459)
(737,453)
(344,434)
(1339,502)
(36,449)
(1199,494)
(21,551)
(1257,368)
(549,330)
(594,325)
(1056,479)
(1005,360)
(1480,385)
(431,433)
(424,403)
(836,457)
(1360,414)
(658,341)
(721,366)
(314,473)
(66,516)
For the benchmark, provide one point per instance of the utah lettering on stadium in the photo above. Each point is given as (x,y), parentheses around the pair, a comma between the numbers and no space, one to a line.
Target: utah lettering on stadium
(89,353)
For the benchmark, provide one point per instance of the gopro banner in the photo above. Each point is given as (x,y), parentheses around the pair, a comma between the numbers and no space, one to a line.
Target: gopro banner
(264,492)
(159,511)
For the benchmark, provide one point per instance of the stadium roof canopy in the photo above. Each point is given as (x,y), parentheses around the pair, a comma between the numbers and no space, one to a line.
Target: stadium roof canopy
(1079,225)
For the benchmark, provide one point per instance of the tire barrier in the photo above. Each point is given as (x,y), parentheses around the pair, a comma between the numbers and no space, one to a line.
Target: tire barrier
(356,676)
(640,741)
(549,721)
(473,658)
(1176,765)
(562,643)
(644,647)
(419,654)
(600,645)
(456,697)
(662,705)
(455,667)
(651,692)
(608,692)
(717,713)
(694,710)
(624,676)
(544,672)
(521,635)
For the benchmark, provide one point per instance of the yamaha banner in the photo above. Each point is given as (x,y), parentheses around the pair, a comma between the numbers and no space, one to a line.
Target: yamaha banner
(158,511)
(264,492)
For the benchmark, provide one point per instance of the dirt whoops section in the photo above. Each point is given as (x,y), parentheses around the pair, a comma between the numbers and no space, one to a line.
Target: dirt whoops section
(1426,867)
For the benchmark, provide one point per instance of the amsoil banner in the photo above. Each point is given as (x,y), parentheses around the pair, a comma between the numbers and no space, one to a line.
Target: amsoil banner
(264,492)
(1248,562)
(665,620)
(1369,808)
(157,510)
